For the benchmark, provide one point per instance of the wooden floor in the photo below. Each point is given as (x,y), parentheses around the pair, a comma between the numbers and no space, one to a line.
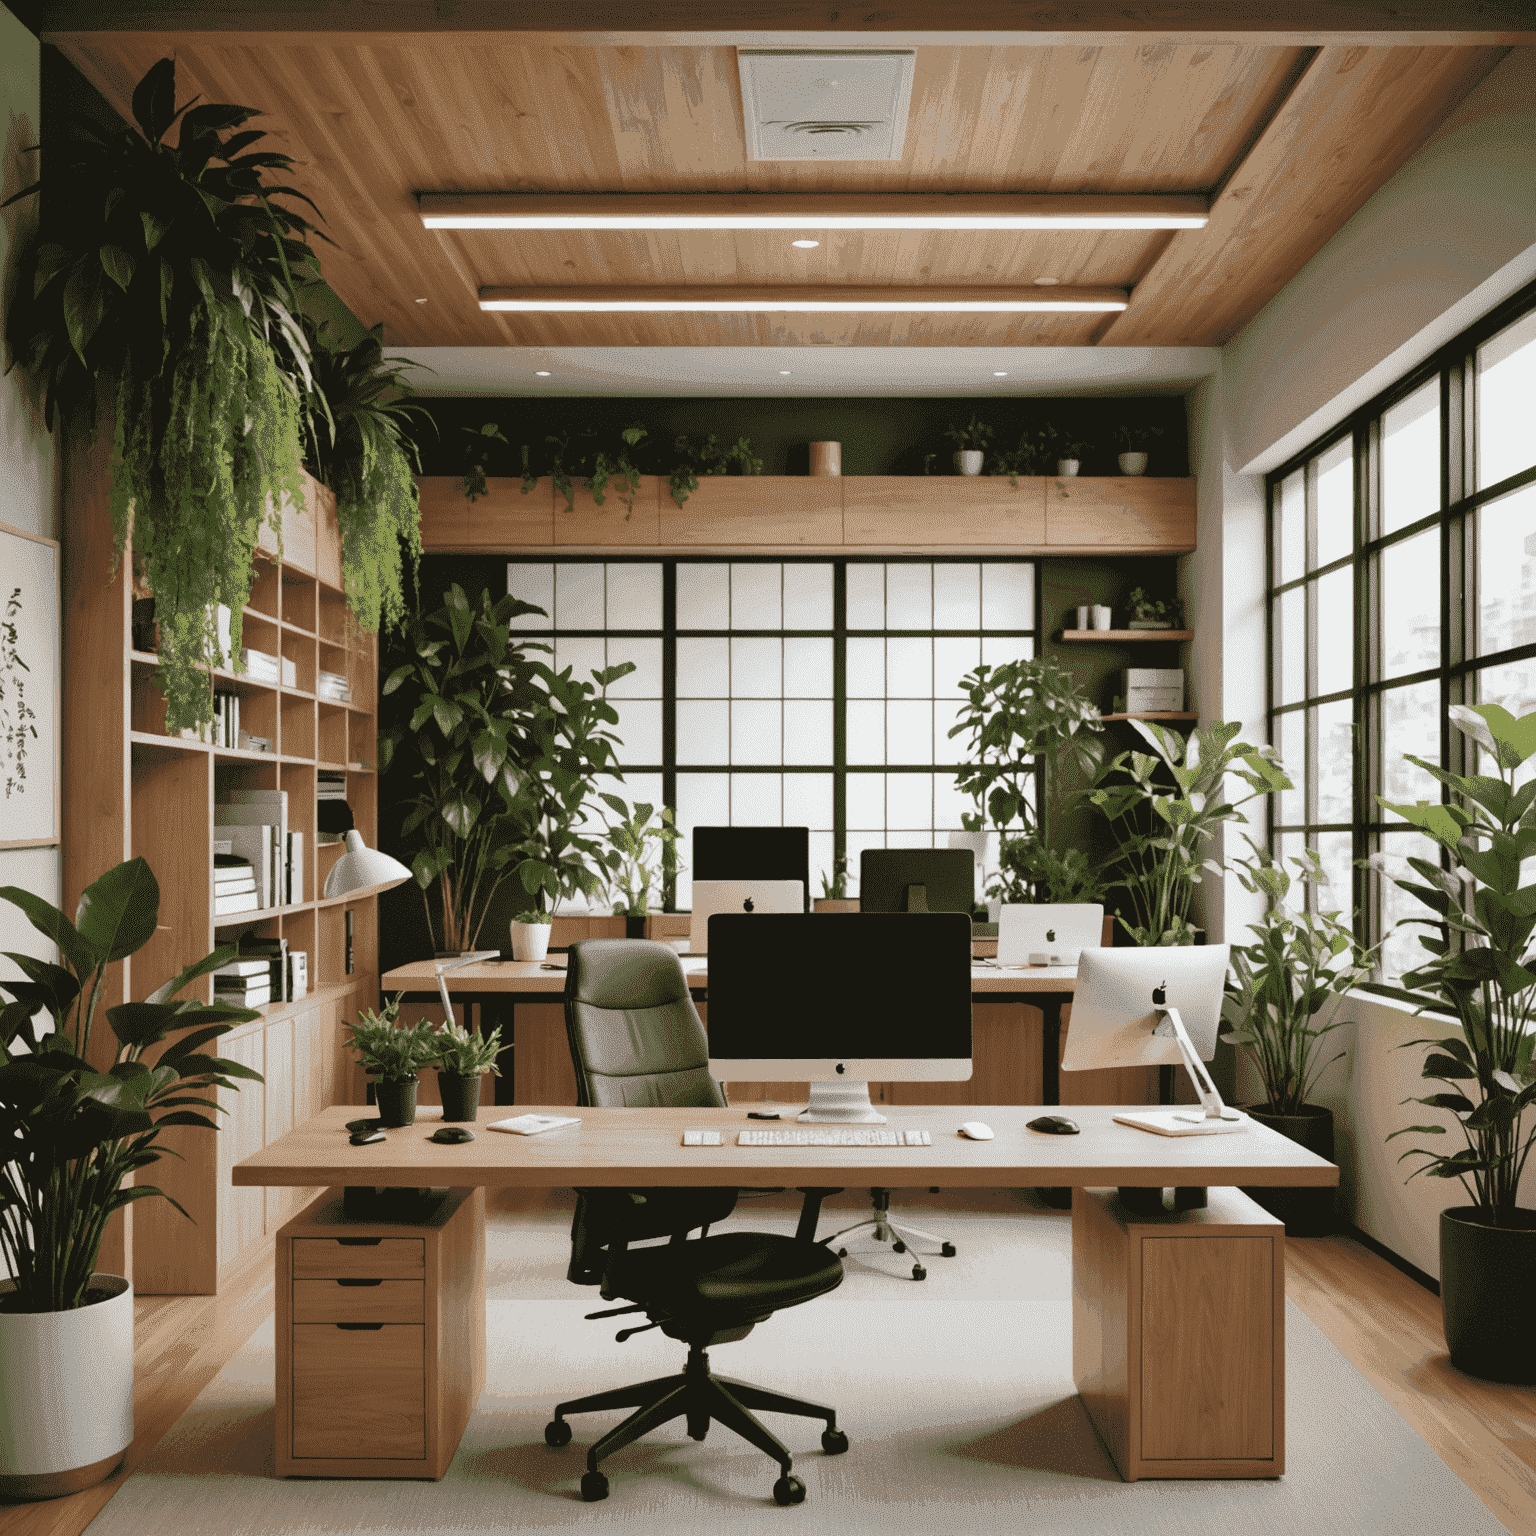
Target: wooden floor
(1385,1324)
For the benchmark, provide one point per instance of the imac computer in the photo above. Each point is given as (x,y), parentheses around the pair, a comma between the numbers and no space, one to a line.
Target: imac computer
(1154,1007)
(917,880)
(1048,932)
(874,997)
(754,853)
(712,896)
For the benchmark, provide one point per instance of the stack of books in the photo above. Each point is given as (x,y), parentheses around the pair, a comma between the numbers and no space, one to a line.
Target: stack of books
(253,743)
(260,667)
(243,983)
(226,719)
(255,825)
(334,688)
(234,885)
(287,970)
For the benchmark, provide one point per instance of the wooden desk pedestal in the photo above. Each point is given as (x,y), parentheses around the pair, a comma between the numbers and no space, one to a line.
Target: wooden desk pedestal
(1178,1335)
(380,1339)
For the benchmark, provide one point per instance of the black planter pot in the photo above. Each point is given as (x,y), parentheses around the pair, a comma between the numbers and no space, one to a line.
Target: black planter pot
(634,927)
(1305,1212)
(461,1094)
(396,1101)
(1487,1289)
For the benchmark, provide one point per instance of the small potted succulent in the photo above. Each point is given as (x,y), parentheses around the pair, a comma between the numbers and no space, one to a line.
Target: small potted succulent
(1133,442)
(970,444)
(463,1058)
(834,889)
(1154,612)
(393,1053)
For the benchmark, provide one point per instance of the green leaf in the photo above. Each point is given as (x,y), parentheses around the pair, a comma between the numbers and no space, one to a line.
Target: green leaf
(220,956)
(52,924)
(154,100)
(118,911)
(118,265)
(142,1023)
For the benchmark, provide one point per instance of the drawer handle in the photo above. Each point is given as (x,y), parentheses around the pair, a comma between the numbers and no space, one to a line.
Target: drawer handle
(359,1282)
(359,1242)
(361,1327)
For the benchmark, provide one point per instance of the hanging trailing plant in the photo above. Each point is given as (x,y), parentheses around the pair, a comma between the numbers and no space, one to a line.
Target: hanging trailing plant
(363,452)
(168,278)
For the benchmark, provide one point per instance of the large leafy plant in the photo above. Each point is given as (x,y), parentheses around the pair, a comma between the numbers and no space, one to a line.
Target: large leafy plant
(1291,979)
(645,840)
(167,277)
(360,432)
(72,1128)
(1165,806)
(1026,719)
(1481,968)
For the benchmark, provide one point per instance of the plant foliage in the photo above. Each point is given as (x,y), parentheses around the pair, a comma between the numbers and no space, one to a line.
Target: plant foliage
(389,1049)
(1291,979)
(1481,967)
(169,278)
(70,1131)
(646,850)
(466,1052)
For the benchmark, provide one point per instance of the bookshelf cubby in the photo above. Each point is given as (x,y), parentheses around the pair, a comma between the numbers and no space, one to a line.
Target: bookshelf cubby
(131,788)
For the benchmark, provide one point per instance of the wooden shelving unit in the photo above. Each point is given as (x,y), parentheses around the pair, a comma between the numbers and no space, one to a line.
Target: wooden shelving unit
(130,788)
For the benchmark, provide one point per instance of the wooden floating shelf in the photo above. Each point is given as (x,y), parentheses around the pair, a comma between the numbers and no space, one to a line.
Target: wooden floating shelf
(1157,714)
(1123,636)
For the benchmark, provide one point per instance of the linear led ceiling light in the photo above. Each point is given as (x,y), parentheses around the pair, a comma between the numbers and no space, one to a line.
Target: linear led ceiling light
(725,210)
(815,300)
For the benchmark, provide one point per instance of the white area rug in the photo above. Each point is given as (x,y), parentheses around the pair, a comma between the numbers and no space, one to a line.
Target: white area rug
(957,1396)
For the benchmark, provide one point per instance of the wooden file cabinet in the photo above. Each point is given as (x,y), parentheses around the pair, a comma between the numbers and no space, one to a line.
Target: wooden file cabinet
(1178,1335)
(380,1339)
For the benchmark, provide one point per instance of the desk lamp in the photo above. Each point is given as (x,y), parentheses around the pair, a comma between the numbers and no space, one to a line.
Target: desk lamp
(362,871)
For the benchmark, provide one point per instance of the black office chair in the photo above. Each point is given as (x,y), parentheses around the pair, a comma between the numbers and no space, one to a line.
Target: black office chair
(636,1039)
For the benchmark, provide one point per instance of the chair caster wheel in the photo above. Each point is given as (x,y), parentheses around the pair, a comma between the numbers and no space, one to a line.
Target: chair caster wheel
(789,1490)
(834,1442)
(898,1246)
(842,1253)
(918,1272)
(948,1250)
(594,1486)
(557,1433)
(698,1428)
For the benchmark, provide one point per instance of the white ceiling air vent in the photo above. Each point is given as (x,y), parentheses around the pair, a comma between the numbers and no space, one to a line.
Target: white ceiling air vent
(831,104)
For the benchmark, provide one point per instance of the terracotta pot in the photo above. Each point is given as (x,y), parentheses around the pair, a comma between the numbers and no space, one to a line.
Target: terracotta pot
(1487,1288)
(1305,1212)
(460,1092)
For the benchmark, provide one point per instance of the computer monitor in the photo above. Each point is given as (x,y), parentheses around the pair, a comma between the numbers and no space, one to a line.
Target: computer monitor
(1153,1007)
(753,853)
(917,880)
(712,896)
(873,997)
(1048,932)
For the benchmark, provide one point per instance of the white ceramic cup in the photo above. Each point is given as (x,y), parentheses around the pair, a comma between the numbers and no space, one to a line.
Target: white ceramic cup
(1101,616)
(1084,616)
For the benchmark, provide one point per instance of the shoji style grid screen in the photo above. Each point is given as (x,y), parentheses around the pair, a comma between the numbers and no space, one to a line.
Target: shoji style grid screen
(810,692)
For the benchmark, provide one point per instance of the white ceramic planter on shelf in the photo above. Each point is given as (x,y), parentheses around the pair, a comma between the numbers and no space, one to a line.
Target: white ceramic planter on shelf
(1133,463)
(1066,468)
(968,461)
(530,941)
(66,1394)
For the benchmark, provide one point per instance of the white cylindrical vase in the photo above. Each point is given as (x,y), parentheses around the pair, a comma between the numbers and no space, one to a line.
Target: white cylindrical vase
(968,461)
(66,1393)
(1066,468)
(1133,463)
(530,941)
(826,458)
(1101,616)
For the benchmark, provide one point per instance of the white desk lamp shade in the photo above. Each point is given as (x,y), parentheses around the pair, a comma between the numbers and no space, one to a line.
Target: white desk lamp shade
(362,868)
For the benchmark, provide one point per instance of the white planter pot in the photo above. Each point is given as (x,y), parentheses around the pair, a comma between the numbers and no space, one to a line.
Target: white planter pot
(1066,468)
(66,1394)
(530,941)
(1133,463)
(968,461)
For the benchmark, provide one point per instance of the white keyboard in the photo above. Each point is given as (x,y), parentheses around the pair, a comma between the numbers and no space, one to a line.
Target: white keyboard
(833,1136)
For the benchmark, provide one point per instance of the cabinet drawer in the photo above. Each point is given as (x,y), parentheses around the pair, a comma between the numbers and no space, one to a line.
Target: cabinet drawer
(329,1258)
(375,1301)
(359,1392)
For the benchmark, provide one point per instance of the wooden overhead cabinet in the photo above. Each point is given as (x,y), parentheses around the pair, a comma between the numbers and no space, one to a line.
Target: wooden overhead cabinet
(1117,515)
(943,512)
(780,512)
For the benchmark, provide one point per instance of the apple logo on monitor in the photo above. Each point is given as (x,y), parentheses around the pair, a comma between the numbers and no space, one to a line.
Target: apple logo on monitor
(747,905)
(1050,935)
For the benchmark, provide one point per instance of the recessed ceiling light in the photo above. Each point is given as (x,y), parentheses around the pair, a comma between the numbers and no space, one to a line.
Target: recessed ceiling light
(541,373)
(783,373)
(805,245)
(821,299)
(997,375)
(1046,282)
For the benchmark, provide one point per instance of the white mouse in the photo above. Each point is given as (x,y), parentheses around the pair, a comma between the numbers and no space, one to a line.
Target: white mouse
(976,1131)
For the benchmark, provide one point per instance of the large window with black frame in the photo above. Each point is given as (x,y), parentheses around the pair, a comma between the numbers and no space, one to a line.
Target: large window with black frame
(1402,580)
(789,692)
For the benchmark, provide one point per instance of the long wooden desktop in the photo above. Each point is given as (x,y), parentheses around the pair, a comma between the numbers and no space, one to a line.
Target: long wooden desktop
(1178,1342)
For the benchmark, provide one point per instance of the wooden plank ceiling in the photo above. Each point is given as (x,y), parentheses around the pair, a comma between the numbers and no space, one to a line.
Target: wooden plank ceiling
(1287,139)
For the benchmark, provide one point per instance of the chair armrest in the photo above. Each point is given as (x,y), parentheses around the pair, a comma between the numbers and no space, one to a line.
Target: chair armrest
(810,1212)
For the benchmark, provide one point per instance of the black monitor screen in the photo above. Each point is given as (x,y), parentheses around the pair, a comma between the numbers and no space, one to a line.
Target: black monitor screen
(849,985)
(947,876)
(753,853)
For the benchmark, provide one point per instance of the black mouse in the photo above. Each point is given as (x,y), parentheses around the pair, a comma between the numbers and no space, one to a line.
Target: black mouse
(363,1127)
(1054,1125)
(450,1134)
(366,1138)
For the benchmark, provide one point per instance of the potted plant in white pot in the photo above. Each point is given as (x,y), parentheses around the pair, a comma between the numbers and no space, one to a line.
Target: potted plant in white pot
(75,1121)
(1284,1002)
(463,1058)
(644,842)
(970,444)
(1133,444)
(1480,970)
(394,1054)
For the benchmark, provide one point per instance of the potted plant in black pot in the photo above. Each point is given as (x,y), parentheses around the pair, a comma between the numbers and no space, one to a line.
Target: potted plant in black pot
(1288,986)
(394,1054)
(1480,970)
(645,842)
(76,1120)
(463,1058)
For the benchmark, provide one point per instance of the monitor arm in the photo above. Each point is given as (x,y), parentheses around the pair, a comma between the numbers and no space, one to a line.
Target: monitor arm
(1169,1023)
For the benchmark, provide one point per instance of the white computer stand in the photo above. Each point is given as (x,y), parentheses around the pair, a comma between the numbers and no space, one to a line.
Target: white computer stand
(1213,1118)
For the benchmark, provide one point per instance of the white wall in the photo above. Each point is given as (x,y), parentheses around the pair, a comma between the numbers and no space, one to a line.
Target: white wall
(28,498)
(1447,239)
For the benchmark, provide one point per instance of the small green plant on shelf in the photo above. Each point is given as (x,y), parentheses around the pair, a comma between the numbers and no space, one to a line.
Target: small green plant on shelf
(835,888)
(466,1053)
(1060,445)
(390,1050)
(708,456)
(1133,439)
(974,435)
(645,842)
(481,445)
(1154,612)
(1022,459)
